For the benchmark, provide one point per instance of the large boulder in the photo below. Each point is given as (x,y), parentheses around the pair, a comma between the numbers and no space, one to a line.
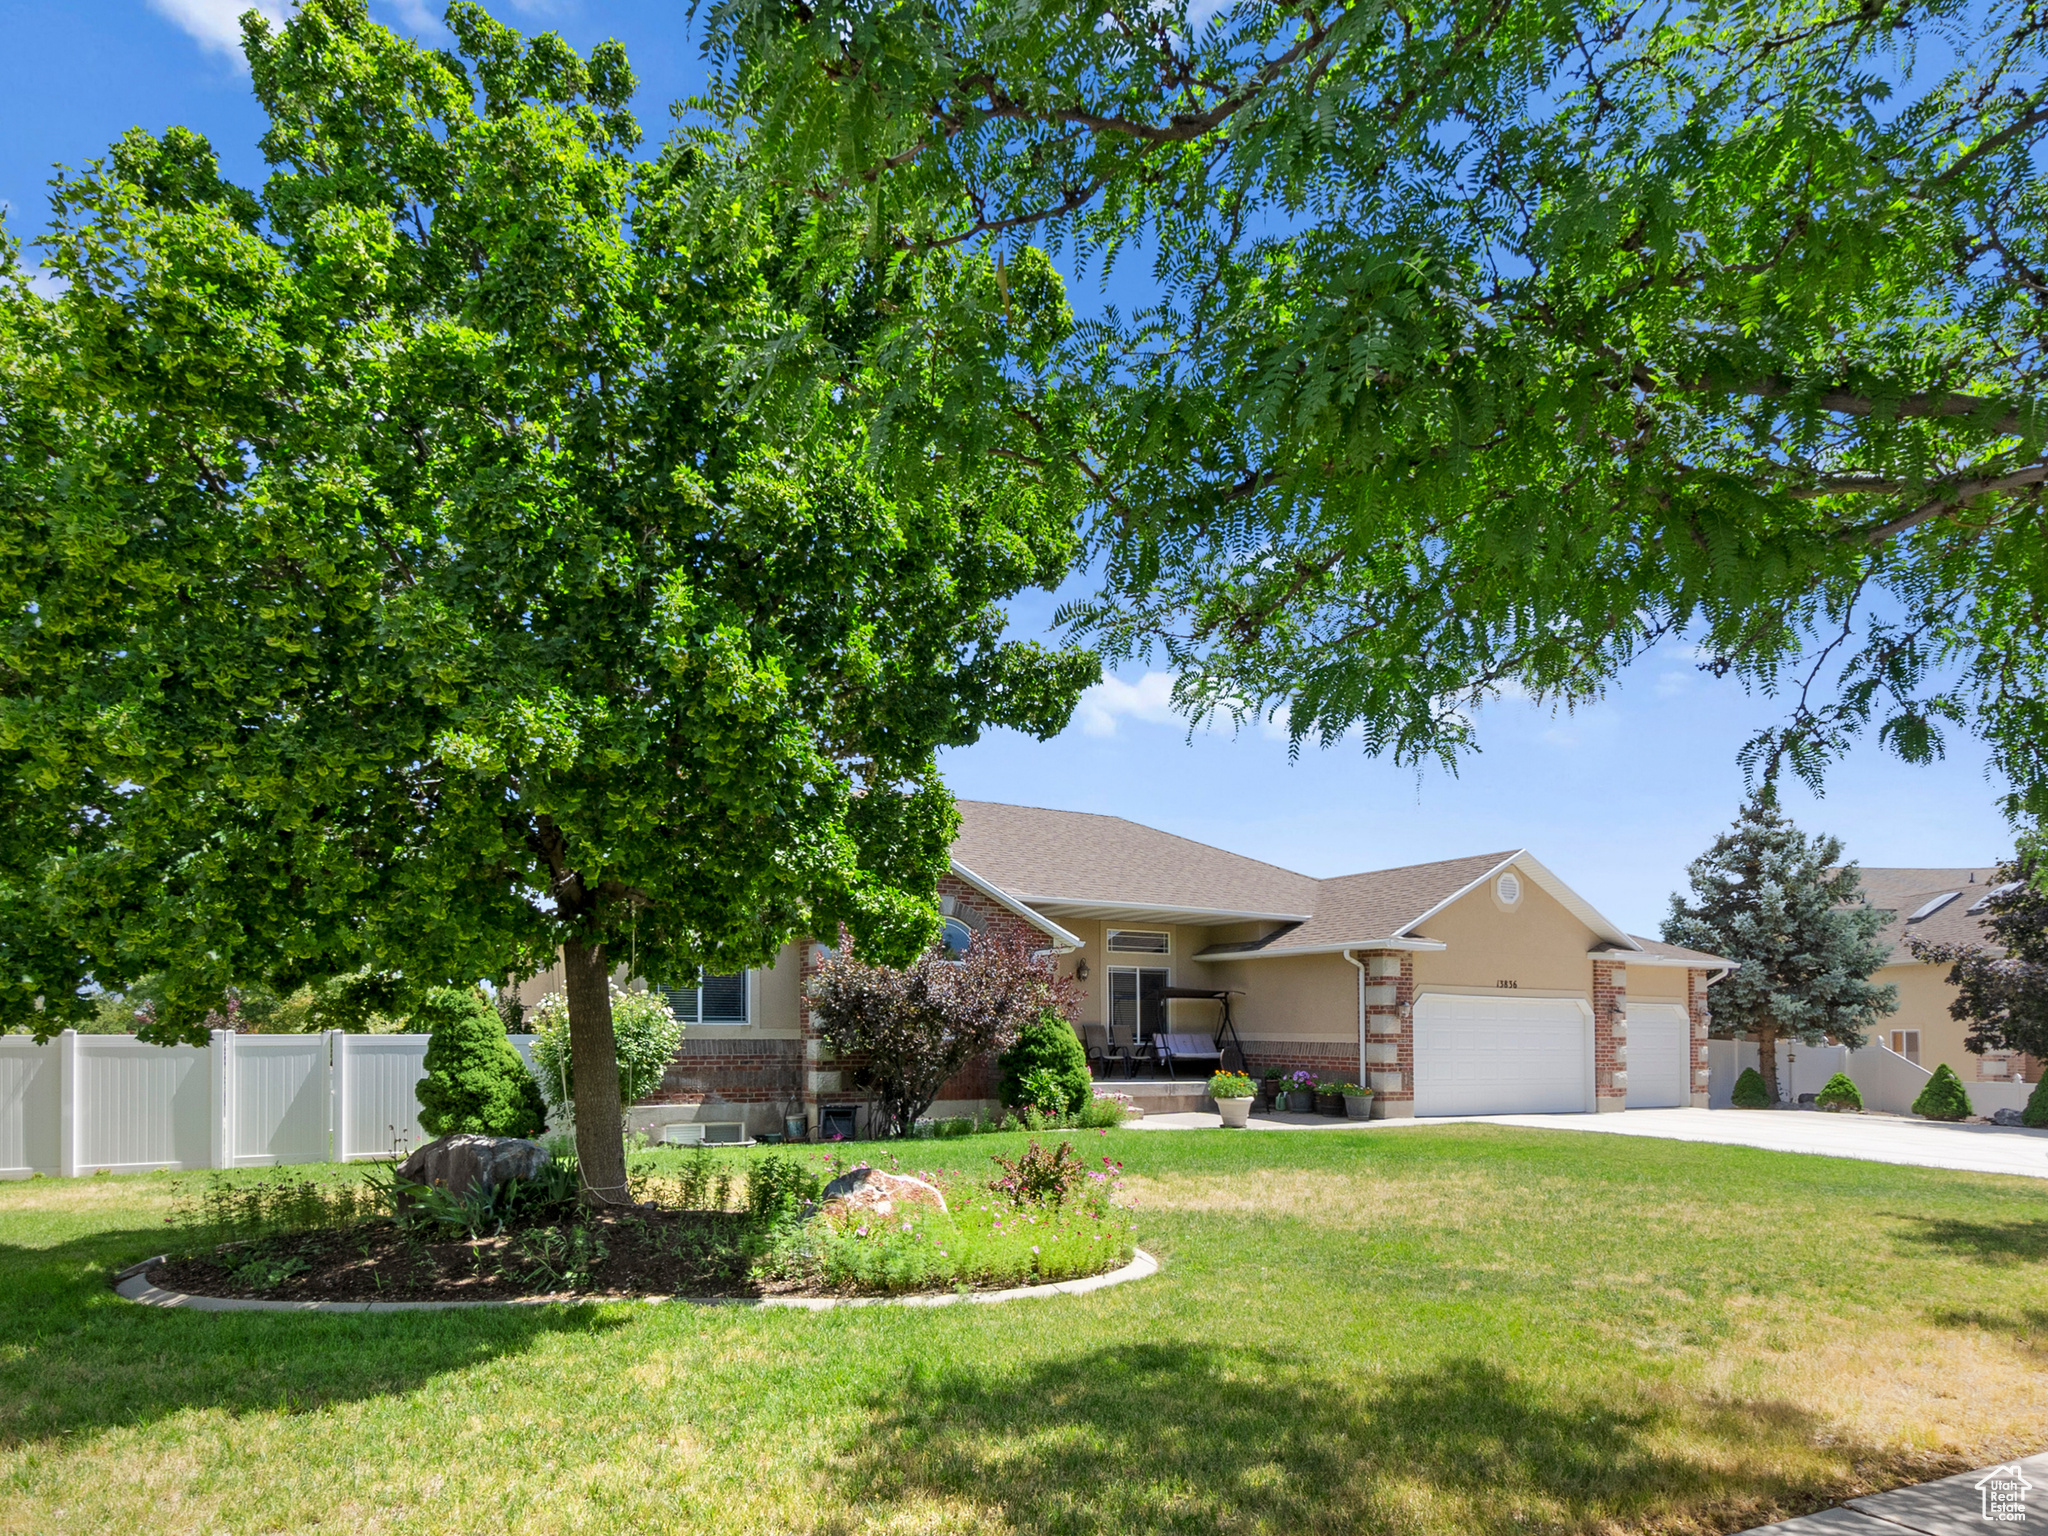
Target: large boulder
(462,1162)
(871,1192)
(2007,1117)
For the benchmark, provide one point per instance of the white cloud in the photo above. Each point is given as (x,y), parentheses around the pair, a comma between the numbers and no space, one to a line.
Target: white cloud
(1149,699)
(48,284)
(216,24)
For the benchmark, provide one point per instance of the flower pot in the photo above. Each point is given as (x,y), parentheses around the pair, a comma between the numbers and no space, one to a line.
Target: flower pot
(1270,1094)
(1329,1103)
(1235,1112)
(1301,1101)
(1358,1106)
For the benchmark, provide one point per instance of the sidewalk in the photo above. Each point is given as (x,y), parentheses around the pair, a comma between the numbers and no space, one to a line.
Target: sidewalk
(1954,1506)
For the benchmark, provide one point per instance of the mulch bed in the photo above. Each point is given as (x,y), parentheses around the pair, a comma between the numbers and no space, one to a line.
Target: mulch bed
(647,1251)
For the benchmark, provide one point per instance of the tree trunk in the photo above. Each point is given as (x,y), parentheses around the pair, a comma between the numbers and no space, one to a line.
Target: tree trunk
(594,1064)
(1766,1057)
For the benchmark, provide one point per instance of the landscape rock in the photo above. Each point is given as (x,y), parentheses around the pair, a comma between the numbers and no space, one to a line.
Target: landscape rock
(872,1192)
(2007,1117)
(460,1162)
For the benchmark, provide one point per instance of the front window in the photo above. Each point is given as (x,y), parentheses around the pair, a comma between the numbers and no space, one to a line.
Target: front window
(957,938)
(1139,941)
(1137,1007)
(1906,1042)
(714,999)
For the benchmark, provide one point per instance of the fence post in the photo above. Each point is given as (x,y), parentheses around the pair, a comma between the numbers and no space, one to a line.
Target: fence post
(220,1069)
(337,1096)
(67,1104)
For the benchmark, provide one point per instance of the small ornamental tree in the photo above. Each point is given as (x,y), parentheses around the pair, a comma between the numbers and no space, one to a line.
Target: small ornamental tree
(909,1030)
(1944,1097)
(1839,1093)
(2002,988)
(475,1081)
(1047,1044)
(1751,1092)
(645,1028)
(1785,908)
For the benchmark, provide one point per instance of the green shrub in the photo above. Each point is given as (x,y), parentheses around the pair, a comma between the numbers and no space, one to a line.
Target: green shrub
(2036,1112)
(1839,1093)
(1045,1091)
(1049,1045)
(646,1030)
(1750,1092)
(475,1081)
(1103,1110)
(1944,1097)
(778,1189)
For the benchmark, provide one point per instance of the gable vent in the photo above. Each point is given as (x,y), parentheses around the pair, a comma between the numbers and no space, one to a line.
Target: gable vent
(1508,888)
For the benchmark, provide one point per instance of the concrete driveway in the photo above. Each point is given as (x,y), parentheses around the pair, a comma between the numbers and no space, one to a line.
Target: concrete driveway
(1873,1138)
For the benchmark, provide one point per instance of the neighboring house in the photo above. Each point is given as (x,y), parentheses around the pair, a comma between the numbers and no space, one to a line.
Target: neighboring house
(1941,906)
(1470,986)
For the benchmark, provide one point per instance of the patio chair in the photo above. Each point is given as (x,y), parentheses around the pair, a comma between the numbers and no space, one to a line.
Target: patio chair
(1174,1049)
(1130,1047)
(1103,1051)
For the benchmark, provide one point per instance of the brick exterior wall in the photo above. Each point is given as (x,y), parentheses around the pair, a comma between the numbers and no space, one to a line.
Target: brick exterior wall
(1610,1039)
(1702,1015)
(749,1070)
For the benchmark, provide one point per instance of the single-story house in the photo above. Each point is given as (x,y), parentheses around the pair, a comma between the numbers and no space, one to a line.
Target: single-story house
(1473,985)
(1941,906)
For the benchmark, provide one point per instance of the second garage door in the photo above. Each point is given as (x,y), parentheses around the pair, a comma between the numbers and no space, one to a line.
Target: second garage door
(1659,1056)
(1501,1056)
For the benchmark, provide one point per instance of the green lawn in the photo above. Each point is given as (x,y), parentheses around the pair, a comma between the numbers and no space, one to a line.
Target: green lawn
(1452,1329)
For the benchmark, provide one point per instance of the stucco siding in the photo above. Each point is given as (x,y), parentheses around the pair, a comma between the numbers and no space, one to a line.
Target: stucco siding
(1657,983)
(1536,944)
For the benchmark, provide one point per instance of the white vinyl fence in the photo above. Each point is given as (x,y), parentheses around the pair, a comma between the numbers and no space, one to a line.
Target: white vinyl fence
(1886,1080)
(86,1103)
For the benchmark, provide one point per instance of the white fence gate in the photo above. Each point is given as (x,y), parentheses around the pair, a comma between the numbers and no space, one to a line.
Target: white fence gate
(86,1103)
(1886,1080)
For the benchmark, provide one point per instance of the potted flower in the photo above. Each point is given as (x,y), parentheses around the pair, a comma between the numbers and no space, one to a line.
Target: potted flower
(1301,1093)
(1357,1101)
(1233,1093)
(1271,1087)
(1329,1098)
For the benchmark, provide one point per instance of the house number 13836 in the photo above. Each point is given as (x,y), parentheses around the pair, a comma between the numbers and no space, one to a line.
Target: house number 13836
(1507,986)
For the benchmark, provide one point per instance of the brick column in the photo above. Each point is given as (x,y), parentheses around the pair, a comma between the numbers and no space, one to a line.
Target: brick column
(1610,1038)
(1390,1033)
(1701,1016)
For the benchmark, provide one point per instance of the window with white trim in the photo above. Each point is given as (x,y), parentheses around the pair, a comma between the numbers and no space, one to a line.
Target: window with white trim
(715,999)
(956,937)
(1906,1042)
(1139,941)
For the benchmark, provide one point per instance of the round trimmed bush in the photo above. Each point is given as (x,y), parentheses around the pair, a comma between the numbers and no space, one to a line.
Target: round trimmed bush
(1048,1045)
(1944,1097)
(645,1034)
(1839,1093)
(475,1081)
(1750,1092)
(2036,1112)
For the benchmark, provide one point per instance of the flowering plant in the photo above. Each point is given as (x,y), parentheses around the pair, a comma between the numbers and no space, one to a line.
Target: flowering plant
(1303,1080)
(1231,1085)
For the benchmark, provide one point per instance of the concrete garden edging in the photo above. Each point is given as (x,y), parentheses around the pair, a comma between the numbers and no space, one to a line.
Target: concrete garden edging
(132,1284)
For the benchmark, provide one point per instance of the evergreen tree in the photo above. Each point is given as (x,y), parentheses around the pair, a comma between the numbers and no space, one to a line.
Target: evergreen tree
(2002,990)
(1750,1092)
(1051,1045)
(1944,1097)
(1785,908)
(475,1081)
(2036,1112)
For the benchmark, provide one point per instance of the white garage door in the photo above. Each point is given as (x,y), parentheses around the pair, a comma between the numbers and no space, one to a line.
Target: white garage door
(1659,1056)
(1501,1056)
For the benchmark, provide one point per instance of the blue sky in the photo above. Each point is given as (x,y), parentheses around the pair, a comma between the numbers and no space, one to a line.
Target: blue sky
(1616,798)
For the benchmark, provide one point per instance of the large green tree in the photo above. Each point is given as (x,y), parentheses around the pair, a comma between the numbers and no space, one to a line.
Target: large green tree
(1486,344)
(423,562)
(1783,906)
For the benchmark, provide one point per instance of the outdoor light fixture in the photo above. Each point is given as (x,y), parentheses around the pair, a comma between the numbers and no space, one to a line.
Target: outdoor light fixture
(1081,971)
(1407,1012)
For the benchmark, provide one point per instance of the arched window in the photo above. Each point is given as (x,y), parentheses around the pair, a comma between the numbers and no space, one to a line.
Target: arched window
(956,936)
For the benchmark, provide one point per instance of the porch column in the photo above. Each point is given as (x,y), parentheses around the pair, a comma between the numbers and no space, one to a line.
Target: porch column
(1610,1035)
(1390,1034)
